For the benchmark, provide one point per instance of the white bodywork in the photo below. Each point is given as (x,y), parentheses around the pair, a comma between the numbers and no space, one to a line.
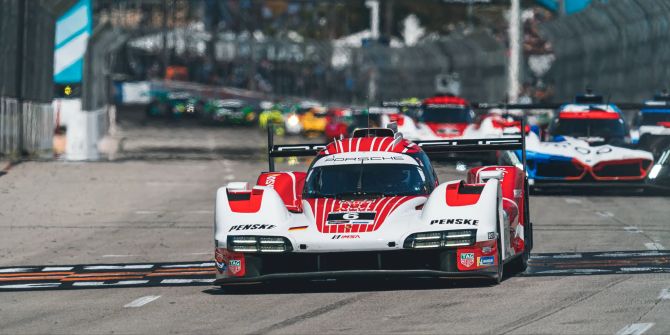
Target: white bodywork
(651,130)
(583,151)
(407,218)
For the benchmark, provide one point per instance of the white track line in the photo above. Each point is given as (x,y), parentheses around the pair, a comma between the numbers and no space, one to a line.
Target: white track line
(11,270)
(31,285)
(665,294)
(150,212)
(186,281)
(654,246)
(635,329)
(605,214)
(206,264)
(57,268)
(118,267)
(141,301)
(632,229)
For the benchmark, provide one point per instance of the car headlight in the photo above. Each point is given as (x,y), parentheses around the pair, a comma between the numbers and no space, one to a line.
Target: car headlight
(259,244)
(441,239)
(293,120)
(654,171)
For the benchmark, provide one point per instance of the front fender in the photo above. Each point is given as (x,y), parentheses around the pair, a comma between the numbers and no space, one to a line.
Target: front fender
(264,212)
(483,214)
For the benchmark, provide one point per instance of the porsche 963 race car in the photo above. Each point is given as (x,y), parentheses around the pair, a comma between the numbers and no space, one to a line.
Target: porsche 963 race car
(371,205)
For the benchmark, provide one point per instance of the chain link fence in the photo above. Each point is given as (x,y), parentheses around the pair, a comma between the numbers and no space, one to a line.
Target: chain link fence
(620,49)
(326,70)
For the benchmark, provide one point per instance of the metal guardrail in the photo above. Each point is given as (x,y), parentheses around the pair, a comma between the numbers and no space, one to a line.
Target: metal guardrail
(9,127)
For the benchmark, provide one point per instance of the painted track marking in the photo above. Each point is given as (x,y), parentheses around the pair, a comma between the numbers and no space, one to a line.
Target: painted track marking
(632,229)
(605,214)
(139,302)
(635,328)
(654,246)
(665,294)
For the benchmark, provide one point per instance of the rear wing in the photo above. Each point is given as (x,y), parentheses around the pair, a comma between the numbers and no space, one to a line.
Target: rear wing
(464,145)
(429,147)
(484,105)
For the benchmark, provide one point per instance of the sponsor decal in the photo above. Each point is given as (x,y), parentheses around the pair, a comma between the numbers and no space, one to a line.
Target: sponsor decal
(235,266)
(297,228)
(355,205)
(270,180)
(486,250)
(467,259)
(471,222)
(370,158)
(485,260)
(491,235)
(345,237)
(348,218)
(219,261)
(252,227)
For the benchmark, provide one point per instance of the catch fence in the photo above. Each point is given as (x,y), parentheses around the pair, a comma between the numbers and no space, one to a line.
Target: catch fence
(328,70)
(619,48)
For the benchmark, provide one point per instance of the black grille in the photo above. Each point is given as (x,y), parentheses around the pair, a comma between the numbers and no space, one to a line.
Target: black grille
(558,169)
(631,169)
(343,261)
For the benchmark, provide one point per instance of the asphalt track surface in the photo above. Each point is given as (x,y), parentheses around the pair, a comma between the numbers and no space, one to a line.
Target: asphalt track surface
(125,246)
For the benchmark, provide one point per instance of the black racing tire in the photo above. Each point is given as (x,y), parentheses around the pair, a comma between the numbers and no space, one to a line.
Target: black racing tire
(520,263)
(501,266)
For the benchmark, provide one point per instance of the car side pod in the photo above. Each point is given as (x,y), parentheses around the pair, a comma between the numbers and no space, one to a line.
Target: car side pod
(445,210)
(239,211)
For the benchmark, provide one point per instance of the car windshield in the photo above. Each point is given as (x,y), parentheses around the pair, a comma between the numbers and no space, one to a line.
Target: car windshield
(653,118)
(590,128)
(363,180)
(446,115)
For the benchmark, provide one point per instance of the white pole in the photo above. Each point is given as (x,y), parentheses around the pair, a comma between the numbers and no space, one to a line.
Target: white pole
(513,86)
(374,18)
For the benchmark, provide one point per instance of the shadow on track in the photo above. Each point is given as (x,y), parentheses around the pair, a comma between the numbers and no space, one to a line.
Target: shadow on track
(348,285)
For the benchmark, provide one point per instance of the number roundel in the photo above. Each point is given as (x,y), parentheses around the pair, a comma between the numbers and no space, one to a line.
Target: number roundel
(350,216)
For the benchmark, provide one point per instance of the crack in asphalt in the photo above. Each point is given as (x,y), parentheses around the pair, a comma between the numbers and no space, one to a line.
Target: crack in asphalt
(311,314)
(547,312)
(658,301)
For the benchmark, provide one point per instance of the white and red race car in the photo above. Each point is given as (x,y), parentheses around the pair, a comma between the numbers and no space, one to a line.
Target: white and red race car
(443,117)
(371,205)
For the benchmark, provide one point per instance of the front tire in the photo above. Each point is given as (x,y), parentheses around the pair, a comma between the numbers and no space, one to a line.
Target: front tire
(501,266)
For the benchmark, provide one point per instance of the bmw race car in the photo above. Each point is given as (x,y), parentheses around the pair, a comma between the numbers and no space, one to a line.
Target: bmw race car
(371,205)
(574,162)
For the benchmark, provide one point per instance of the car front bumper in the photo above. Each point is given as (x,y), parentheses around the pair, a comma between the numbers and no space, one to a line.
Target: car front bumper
(399,263)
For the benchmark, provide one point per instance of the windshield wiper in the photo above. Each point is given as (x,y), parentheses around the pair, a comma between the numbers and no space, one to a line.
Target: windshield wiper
(359,183)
